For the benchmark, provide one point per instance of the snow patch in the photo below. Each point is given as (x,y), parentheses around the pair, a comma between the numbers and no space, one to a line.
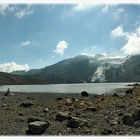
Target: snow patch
(99,75)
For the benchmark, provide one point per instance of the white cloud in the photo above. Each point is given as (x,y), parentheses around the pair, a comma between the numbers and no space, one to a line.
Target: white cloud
(60,47)
(118,32)
(9,67)
(82,7)
(26,43)
(132,46)
(24,12)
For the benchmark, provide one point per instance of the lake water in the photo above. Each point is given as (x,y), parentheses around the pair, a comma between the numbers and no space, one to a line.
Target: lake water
(93,88)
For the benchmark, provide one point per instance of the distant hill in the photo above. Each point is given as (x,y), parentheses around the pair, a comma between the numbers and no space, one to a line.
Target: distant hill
(30,72)
(9,79)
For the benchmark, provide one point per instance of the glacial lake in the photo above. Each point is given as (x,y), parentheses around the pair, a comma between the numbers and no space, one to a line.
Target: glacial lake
(93,88)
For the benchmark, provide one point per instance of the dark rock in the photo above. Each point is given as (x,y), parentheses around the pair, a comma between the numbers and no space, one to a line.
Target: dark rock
(76,122)
(120,114)
(135,84)
(71,109)
(61,116)
(84,94)
(59,98)
(115,94)
(102,99)
(106,132)
(138,100)
(30,98)
(136,115)
(127,120)
(92,109)
(26,104)
(46,110)
(129,92)
(131,119)
(21,114)
(78,113)
(38,127)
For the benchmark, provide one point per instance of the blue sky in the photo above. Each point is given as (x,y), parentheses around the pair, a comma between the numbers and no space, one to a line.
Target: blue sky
(41,35)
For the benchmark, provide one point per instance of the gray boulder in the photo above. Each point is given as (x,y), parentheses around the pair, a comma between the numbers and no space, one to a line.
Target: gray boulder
(38,127)
(61,116)
(76,122)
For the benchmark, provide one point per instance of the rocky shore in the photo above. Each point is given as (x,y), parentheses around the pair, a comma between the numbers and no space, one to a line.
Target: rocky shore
(70,114)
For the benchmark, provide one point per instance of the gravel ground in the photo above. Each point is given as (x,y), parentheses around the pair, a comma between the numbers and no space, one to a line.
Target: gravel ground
(104,114)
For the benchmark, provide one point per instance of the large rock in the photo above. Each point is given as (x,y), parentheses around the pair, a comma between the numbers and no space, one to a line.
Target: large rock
(61,116)
(131,119)
(84,94)
(26,104)
(129,92)
(76,122)
(127,120)
(38,127)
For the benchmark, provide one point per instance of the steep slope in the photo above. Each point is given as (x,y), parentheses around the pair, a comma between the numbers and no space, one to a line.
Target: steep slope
(74,70)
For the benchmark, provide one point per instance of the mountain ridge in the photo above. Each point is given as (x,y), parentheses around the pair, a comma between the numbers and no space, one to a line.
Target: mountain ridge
(83,68)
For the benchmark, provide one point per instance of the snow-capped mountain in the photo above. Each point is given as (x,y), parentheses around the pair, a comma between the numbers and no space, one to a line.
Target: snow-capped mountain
(84,68)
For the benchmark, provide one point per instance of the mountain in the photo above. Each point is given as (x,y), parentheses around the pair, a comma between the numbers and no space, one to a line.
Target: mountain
(83,68)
